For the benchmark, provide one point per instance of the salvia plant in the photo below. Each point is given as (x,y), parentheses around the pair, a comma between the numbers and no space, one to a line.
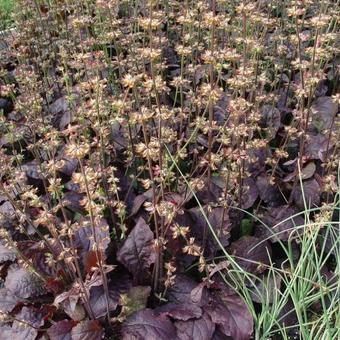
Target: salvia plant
(169,170)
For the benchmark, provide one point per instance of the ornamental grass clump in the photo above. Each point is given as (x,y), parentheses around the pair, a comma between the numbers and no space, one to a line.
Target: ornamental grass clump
(169,169)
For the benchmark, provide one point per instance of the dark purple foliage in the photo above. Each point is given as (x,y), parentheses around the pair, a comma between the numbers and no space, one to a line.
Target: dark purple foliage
(280,223)
(307,194)
(146,324)
(61,330)
(182,312)
(87,330)
(84,238)
(316,146)
(268,193)
(201,328)
(219,221)
(228,311)
(23,283)
(250,253)
(7,300)
(137,253)
(27,323)
(323,112)
(6,254)
(249,193)
(98,300)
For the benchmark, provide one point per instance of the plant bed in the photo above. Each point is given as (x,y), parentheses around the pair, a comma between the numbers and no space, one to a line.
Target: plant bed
(169,170)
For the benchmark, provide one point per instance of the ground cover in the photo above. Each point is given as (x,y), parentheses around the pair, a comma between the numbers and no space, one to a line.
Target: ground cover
(170,170)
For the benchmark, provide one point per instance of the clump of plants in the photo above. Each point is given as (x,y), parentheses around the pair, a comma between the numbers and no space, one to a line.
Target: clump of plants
(169,170)
(6,7)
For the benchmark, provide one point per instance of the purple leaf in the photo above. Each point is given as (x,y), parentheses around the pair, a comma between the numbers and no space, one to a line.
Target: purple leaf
(117,136)
(137,253)
(37,255)
(28,328)
(6,332)
(218,335)
(249,193)
(146,324)
(255,163)
(7,300)
(210,193)
(137,203)
(316,146)
(70,303)
(198,329)
(7,210)
(200,294)
(23,283)
(218,219)
(32,170)
(70,165)
(179,199)
(61,114)
(271,120)
(288,317)
(180,292)
(323,111)
(248,251)
(59,105)
(72,200)
(311,192)
(84,238)
(280,222)
(308,171)
(231,314)
(186,298)
(87,330)
(266,286)
(61,330)
(6,254)
(98,299)
(184,312)
(269,193)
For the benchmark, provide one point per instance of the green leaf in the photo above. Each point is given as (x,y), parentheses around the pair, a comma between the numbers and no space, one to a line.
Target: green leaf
(246,227)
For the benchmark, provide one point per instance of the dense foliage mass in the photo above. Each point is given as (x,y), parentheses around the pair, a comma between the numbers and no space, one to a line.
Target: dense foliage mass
(168,170)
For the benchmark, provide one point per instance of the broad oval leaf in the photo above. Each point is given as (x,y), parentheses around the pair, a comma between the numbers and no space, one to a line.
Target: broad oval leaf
(183,311)
(231,314)
(249,193)
(137,253)
(23,283)
(316,146)
(250,255)
(7,300)
(6,332)
(218,219)
(271,120)
(98,298)
(145,324)
(281,222)
(6,254)
(309,193)
(37,255)
(84,238)
(87,330)
(61,330)
(269,193)
(323,111)
(199,329)
(31,319)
